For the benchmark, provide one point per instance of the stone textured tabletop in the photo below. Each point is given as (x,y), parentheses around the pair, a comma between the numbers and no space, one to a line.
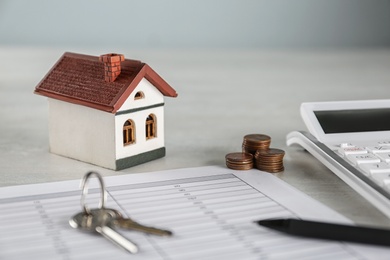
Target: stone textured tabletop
(223,95)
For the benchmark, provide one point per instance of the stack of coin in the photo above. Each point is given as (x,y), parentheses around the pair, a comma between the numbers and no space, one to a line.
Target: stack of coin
(270,160)
(254,142)
(239,161)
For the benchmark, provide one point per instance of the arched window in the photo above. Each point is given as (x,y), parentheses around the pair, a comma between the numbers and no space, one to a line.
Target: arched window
(150,127)
(128,132)
(139,95)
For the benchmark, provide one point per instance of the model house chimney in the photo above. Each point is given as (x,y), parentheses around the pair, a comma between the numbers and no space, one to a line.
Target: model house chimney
(112,65)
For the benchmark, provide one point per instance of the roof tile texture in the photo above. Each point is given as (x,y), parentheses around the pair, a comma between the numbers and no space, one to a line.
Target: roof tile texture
(80,79)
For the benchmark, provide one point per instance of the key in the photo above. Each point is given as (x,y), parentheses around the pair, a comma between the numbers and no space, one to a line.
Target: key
(128,223)
(363,158)
(352,150)
(345,145)
(382,179)
(384,156)
(379,149)
(99,221)
(374,168)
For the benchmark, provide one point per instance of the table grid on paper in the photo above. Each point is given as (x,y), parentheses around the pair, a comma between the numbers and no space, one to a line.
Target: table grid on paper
(211,217)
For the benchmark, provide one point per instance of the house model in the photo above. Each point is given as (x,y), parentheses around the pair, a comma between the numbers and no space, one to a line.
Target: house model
(107,110)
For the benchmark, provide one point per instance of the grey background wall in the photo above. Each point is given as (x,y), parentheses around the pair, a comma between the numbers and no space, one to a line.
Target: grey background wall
(196,23)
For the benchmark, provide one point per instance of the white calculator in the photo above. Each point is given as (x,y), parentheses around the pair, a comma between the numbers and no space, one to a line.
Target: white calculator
(351,138)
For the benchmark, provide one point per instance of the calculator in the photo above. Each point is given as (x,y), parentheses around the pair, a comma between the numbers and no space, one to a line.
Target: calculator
(352,139)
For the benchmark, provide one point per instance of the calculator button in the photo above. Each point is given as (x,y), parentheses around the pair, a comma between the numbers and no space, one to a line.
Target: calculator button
(379,149)
(352,150)
(345,145)
(384,156)
(373,168)
(382,179)
(384,143)
(363,158)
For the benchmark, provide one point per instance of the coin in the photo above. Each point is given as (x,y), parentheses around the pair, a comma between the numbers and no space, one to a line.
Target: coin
(256,153)
(270,160)
(254,142)
(239,161)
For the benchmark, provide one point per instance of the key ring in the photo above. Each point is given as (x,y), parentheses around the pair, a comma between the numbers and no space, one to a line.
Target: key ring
(84,186)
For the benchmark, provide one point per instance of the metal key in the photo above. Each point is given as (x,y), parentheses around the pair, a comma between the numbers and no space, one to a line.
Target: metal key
(99,220)
(128,223)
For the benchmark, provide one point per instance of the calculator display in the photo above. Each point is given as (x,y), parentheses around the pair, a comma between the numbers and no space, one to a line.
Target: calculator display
(354,120)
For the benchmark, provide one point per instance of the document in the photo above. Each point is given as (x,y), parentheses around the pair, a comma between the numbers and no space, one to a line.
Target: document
(211,211)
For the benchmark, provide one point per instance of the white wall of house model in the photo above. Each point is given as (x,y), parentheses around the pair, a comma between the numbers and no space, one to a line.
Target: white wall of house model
(96,137)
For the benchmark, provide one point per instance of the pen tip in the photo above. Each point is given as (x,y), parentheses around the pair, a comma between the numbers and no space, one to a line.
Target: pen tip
(272,223)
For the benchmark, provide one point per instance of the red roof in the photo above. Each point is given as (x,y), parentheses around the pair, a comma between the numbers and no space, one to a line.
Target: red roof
(79,79)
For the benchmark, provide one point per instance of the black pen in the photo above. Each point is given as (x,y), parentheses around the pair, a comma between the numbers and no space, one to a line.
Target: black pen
(339,232)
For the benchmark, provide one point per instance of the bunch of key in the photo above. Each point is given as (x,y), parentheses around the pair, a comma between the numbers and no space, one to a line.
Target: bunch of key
(104,220)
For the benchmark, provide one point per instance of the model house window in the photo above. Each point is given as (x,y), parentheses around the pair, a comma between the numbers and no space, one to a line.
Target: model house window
(151,127)
(128,132)
(139,95)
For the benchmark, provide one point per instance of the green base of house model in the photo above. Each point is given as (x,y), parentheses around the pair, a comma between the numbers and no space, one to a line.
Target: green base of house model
(139,158)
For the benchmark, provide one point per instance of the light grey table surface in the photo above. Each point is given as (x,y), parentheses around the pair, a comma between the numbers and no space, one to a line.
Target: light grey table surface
(223,95)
